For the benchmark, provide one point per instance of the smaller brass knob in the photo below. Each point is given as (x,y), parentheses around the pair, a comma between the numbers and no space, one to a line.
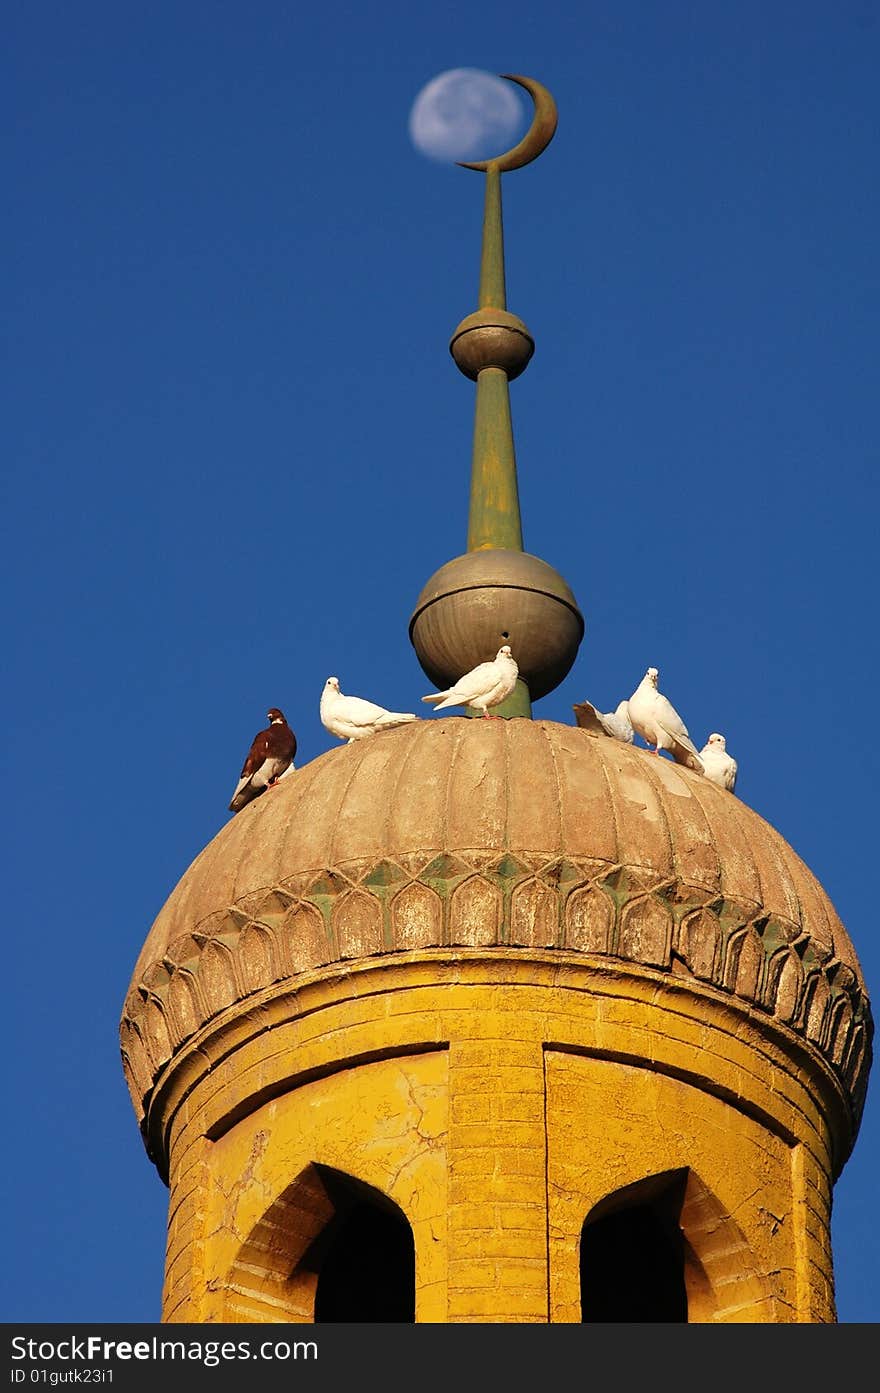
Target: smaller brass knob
(491,338)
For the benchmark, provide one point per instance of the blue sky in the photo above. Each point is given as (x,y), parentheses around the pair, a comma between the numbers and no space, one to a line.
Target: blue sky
(236,447)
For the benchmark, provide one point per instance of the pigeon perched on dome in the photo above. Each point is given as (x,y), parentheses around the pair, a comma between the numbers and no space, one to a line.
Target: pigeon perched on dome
(656,720)
(488,684)
(354,718)
(615,723)
(269,757)
(718,766)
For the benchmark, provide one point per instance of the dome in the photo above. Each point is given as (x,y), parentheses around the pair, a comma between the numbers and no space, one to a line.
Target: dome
(457,835)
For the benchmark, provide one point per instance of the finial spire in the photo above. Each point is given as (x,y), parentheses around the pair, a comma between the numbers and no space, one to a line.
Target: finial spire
(497,593)
(493,347)
(535,141)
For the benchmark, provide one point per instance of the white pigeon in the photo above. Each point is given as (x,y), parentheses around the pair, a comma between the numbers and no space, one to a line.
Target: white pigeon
(486,685)
(353,718)
(656,720)
(615,723)
(718,765)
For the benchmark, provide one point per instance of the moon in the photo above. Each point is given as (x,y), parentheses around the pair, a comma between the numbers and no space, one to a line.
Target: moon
(464,114)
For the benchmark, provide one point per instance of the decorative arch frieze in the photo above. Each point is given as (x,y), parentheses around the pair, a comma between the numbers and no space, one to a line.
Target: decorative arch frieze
(477,899)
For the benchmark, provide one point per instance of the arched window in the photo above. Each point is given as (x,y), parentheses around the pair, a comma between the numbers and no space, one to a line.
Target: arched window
(632,1254)
(365,1257)
(329,1248)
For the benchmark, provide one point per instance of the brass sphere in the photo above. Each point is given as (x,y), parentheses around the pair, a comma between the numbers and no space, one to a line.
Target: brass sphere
(491,338)
(479,601)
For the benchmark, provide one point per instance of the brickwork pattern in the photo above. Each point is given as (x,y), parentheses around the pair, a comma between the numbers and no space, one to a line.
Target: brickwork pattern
(497,1106)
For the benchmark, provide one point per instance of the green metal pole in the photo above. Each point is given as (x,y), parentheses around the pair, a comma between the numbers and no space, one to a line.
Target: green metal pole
(492,288)
(494,516)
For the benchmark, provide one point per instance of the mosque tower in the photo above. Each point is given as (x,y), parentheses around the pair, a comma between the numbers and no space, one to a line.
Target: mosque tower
(484,1020)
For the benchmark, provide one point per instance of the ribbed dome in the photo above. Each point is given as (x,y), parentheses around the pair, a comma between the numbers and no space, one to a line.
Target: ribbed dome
(451,833)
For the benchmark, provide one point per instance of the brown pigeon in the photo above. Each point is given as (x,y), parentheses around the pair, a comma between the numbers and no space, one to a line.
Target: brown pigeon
(270,755)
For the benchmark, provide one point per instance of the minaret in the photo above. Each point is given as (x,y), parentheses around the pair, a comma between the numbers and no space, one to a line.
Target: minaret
(497,1021)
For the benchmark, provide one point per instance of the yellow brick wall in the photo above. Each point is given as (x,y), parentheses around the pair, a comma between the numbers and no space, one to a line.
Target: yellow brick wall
(496,1101)
(659,1124)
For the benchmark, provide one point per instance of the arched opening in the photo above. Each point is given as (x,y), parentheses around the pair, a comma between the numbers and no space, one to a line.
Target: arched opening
(364,1258)
(330,1248)
(632,1254)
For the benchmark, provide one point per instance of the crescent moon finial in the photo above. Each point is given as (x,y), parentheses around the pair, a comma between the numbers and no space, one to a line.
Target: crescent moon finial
(536,138)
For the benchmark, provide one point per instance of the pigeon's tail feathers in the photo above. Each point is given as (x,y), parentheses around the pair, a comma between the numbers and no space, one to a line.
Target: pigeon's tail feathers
(445,699)
(614,723)
(684,751)
(435,696)
(588,717)
(396,718)
(256,781)
(241,796)
(689,745)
